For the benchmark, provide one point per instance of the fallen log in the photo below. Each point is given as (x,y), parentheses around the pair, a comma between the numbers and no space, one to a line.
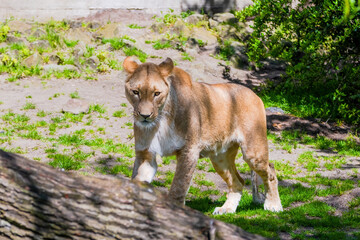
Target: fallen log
(39,202)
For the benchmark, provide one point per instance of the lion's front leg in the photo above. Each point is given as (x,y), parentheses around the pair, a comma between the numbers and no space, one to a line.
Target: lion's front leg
(186,163)
(145,166)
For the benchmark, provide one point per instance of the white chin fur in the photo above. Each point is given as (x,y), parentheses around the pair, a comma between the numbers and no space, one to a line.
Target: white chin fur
(145,125)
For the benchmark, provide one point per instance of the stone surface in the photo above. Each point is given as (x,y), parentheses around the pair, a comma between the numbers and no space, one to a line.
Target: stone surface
(225,17)
(11,39)
(204,35)
(180,28)
(94,25)
(32,60)
(195,18)
(79,34)
(18,26)
(76,106)
(92,62)
(55,67)
(274,110)
(109,31)
(158,27)
(38,33)
(75,24)
(213,23)
(44,44)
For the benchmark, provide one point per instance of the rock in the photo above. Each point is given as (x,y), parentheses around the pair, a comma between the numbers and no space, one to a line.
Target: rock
(94,25)
(18,26)
(180,28)
(38,33)
(54,59)
(105,47)
(75,24)
(227,31)
(3,45)
(11,39)
(93,62)
(195,18)
(76,106)
(213,23)
(204,35)
(109,31)
(275,110)
(44,44)
(78,34)
(270,64)
(32,60)
(239,60)
(60,68)
(158,27)
(239,48)
(225,18)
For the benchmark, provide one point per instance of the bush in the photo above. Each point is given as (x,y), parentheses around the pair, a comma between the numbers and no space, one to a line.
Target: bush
(321,50)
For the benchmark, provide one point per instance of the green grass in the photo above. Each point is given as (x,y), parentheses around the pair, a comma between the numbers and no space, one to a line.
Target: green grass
(66,162)
(162,44)
(289,140)
(119,113)
(97,108)
(135,26)
(29,105)
(74,94)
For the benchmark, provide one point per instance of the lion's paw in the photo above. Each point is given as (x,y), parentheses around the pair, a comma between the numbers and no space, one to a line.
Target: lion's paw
(274,207)
(223,210)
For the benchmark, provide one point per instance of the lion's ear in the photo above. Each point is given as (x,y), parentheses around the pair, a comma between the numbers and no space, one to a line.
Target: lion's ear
(166,67)
(130,65)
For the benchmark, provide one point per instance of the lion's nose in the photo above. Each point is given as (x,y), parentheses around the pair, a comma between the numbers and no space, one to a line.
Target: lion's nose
(145,116)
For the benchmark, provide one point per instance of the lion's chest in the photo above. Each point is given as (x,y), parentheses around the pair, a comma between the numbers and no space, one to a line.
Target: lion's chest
(166,141)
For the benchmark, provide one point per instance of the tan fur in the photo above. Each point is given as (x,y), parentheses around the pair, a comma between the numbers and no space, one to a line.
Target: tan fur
(175,116)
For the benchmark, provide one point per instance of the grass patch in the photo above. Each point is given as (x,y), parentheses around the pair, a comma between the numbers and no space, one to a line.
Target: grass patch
(119,113)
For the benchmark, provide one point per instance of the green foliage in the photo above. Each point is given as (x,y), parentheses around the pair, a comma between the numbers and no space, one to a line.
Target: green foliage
(75,94)
(119,114)
(70,43)
(4,29)
(161,44)
(135,26)
(319,48)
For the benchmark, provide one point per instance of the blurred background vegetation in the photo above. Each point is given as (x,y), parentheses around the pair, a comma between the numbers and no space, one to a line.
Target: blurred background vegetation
(319,41)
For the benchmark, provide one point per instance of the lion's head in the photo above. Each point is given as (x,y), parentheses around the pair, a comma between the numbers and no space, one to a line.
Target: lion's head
(147,88)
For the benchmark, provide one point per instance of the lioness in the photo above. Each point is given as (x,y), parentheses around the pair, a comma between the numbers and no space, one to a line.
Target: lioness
(175,116)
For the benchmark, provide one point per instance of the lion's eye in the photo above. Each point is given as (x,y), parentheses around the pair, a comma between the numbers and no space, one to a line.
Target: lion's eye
(156,94)
(136,92)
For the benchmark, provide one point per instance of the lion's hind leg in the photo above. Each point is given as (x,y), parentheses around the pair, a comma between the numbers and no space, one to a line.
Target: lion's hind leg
(224,165)
(255,153)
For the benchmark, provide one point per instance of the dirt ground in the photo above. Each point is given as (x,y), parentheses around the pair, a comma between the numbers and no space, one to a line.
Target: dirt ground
(108,90)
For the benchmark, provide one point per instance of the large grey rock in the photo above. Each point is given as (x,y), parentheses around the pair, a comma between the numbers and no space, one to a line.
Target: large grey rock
(158,27)
(213,23)
(204,35)
(38,33)
(225,17)
(94,25)
(18,26)
(78,34)
(76,106)
(75,24)
(195,18)
(110,30)
(32,60)
(60,68)
(11,39)
(180,28)
(44,44)
(93,62)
